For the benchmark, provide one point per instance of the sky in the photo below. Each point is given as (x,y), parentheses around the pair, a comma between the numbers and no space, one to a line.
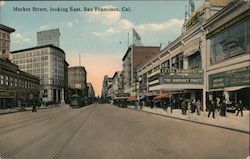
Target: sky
(100,37)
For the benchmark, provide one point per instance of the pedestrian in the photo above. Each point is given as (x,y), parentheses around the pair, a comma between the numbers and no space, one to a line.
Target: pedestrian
(184,107)
(223,108)
(198,107)
(240,108)
(171,105)
(192,106)
(211,108)
(33,106)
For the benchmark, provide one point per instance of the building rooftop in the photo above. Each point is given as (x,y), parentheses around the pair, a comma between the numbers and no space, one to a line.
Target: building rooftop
(129,48)
(6,28)
(38,47)
(77,67)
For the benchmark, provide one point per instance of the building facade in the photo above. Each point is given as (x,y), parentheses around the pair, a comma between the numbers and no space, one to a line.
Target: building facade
(47,37)
(66,83)
(91,91)
(134,57)
(16,85)
(116,84)
(228,53)
(47,63)
(107,82)
(180,68)
(5,41)
(77,76)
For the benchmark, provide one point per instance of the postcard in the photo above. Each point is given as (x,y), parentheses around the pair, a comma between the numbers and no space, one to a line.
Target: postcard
(134,79)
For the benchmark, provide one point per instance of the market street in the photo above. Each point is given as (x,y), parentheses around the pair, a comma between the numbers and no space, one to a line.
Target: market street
(107,132)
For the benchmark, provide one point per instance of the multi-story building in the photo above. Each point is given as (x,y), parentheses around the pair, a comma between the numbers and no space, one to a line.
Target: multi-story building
(180,68)
(77,76)
(47,37)
(107,82)
(91,91)
(116,84)
(5,41)
(135,56)
(16,85)
(228,53)
(47,63)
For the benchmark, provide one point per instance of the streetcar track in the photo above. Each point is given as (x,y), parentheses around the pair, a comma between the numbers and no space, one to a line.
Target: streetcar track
(51,116)
(58,154)
(42,116)
(26,145)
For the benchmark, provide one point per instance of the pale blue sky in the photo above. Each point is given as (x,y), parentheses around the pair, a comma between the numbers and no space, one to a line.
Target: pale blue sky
(96,33)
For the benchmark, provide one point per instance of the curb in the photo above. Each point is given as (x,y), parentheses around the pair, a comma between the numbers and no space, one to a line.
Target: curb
(197,122)
(20,111)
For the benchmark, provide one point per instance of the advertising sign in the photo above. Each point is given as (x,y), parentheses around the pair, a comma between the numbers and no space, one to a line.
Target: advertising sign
(235,77)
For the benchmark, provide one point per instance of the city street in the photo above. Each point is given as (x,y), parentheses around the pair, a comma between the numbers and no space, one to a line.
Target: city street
(104,131)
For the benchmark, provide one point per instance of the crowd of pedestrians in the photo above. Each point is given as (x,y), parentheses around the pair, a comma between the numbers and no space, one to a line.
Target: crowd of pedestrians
(192,106)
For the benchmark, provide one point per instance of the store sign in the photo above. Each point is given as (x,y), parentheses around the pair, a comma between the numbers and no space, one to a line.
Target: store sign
(191,47)
(231,47)
(7,94)
(182,76)
(235,77)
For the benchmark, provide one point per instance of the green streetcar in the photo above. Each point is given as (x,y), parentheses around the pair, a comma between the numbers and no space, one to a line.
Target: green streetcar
(76,101)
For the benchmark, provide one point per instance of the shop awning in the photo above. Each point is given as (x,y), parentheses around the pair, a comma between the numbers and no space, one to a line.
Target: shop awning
(162,96)
(235,88)
(132,99)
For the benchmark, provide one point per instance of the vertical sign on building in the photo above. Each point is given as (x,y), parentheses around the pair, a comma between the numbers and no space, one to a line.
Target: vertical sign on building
(136,38)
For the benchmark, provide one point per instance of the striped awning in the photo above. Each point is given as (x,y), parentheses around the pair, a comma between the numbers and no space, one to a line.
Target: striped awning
(132,99)
(162,96)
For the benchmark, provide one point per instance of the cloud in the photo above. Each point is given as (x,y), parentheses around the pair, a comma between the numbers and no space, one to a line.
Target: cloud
(172,23)
(104,17)
(107,32)
(69,24)
(44,27)
(125,25)
(97,65)
(2,3)
(19,38)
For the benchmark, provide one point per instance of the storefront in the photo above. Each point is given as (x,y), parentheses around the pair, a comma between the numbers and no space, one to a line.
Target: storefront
(232,85)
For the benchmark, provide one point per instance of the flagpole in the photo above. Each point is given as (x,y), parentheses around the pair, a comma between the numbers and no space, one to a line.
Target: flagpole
(128,39)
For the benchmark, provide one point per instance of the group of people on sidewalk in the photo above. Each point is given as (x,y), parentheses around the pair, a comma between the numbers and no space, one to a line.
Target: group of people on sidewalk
(222,106)
(191,106)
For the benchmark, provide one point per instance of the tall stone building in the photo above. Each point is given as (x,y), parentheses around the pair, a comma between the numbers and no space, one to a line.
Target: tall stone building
(47,63)
(134,58)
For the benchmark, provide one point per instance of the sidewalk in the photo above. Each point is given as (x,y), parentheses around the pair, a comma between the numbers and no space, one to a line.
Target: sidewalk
(17,109)
(229,122)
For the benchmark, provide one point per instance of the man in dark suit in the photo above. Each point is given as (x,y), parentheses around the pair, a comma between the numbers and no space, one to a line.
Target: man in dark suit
(240,108)
(211,108)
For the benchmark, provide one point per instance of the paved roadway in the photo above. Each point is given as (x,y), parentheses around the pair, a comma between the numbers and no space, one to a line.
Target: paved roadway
(103,131)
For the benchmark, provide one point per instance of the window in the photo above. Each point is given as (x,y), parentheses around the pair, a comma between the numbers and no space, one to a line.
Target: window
(4,35)
(177,61)
(6,80)
(194,61)
(228,44)
(1,79)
